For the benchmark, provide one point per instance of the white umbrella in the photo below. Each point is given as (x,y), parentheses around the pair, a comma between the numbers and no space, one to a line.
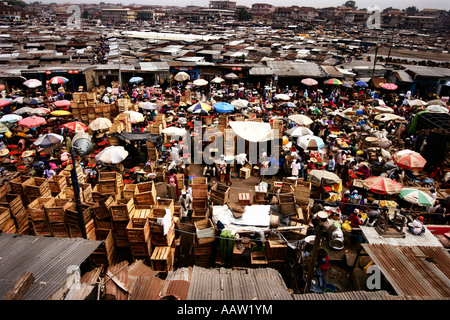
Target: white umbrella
(23,110)
(384,109)
(282,96)
(388,117)
(310,142)
(174,131)
(48,140)
(148,106)
(299,132)
(239,103)
(436,101)
(182,76)
(437,108)
(252,131)
(217,80)
(231,76)
(323,177)
(200,82)
(11,118)
(113,155)
(300,119)
(417,102)
(100,124)
(135,116)
(32,83)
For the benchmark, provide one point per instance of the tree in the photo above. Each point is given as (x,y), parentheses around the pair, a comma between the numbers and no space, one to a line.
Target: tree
(412,9)
(350,4)
(85,14)
(244,15)
(19,3)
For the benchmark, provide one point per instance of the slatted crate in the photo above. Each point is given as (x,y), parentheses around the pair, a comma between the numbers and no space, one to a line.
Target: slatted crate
(104,223)
(145,193)
(128,191)
(136,233)
(203,254)
(102,210)
(159,209)
(204,231)
(141,250)
(89,227)
(36,209)
(220,193)
(72,218)
(275,249)
(57,183)
(55,210)
(5,219)
(120,234)
(105,253)
(158,238)
(141,214)
(200,214)
(199,188)
(162,258)
(302,193)
(18,184)
(13,202)
(122,209)
(59,230)
(41,228)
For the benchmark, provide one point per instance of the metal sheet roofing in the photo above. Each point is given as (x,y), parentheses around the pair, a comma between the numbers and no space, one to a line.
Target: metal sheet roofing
(350,295)
(413,271)
(47,258)
(424,71)
(425,239)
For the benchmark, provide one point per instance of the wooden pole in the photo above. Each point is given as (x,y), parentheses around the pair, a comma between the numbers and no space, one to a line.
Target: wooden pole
(21,287)
(313,262)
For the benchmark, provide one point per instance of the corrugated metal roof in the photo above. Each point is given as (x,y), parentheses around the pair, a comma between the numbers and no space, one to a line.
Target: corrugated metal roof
(47,258)
(425,239)
(410,272)
(229,284)
(425,71)
(350,295)
(403,76)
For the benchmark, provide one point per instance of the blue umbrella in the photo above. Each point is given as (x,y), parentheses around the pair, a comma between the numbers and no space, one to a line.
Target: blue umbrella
(361,83)
(288,105)
(347,85)
(136,79)
(223,107)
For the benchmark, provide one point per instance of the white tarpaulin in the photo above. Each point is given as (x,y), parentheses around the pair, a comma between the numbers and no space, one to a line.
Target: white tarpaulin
(254,218)
(252,131)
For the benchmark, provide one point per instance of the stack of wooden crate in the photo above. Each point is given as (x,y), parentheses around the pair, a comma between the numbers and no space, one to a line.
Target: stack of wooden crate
(145,193)
(117,127)
(203,254)
(55,210)
(67,173)
(125,119)
(18,211)
(152,152)
(223,122)
(277,126)
(219,194)
(160,119)
(124,104)
(162,258)
(85,191)
(79,108)
(101,211)
(7,224)
(302,193)
(139,238)
(287,203)
(37,188)
(229,142)
(73,221)
(102,110)
(200,208)
(110,183)
(288,185)
(128,191)
(57,184)
(38,217)
(105,253)
(162,208)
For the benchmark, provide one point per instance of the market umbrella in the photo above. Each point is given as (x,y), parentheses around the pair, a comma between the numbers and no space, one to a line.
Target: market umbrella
(389,86)
(323,177)
(239,103)
(300,119)
(299,132)
(136,80)
(382,185)
(346,85)
(75,126)
(343,116)
(182,76)
(416,196)
(112,155)
(60,113)
(201,106)
(40,111)
(217,80)
(436,102)
(4,102)
(23,110)
(361,83)
(100,124)
(19,100)
(11,118)
(32,83)
(61,103)
(310,142)
(333,81)
(2,87)
(223,107)
(231,76)
(282,96)
(48,140)
(32,122)
(58,80)
(417,102)
(252,131)
(309,82)
(408,159)
(148,106)
(200,82)
(33,101)
(3,128)
(384,109)
(135,116)
(174,131)
(288,105)
(437,108)
(387,117)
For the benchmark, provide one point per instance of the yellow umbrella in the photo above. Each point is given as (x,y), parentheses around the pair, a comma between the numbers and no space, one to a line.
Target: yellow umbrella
(60,113)
(22,134)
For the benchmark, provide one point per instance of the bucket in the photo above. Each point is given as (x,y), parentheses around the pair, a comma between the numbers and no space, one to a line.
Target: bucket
(329,288)
(309,242)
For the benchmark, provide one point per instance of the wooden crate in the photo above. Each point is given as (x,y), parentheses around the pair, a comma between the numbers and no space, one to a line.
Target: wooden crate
(158,238)
(120,234)
(203,254)
(145,193)
(302,193)
(137,233)
(258,259)
(101,210)
(128,191)
(41,228)
(75,231)
(5,219)
(140,214)
(141,250)
(104,223)
(13,202)
(200,204)
(288,185)
(275,249)
(244,199)
(200,214)
(204,231)
(245,173)
(162,258)
(57,183)
(36,210)
(122,209)
(37,187)
(105,253)
(59,230)
(21,219)
(199,191)
(72,218)
(18,184)
(159,209)
(219,193)
(55,209)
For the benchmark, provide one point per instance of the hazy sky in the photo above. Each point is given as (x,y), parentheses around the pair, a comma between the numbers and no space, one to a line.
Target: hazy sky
(399,4)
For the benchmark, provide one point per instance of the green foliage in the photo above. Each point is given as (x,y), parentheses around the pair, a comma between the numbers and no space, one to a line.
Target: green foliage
(19,3)
(244,15)
(350,4)
(412,9)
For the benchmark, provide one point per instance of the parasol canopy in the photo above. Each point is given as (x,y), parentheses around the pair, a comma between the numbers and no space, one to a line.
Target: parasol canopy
(40,111)
(408,159)
(3,128)
(4,102)
(33,101)
(200,82)
(389,86)
(309,82)
(388,117)
(282,96)
(19,100)
(436,102)
(416,196)
(58,80)
(361,83)
(182,76)
(75,126)
(61,103)
(148,106)
(223,107)
(11,118)
(48,140)
(201,106)
(382,185)
(32,122)
(135,116)
(112,155)
(323,177)
(252,131)
(231,76)
(174,131)
(100,124)
(239,103)
(310,142)
(299,132)
(60,113)
(436,108)
(136,80)
(32,83)
(287,105)
(384,109)
(217,80)
(417,102)
(333,81)
(23,110)
(300,119)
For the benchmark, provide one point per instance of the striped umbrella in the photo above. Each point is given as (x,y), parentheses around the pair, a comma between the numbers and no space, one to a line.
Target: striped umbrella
(75,126)
(310,142)
(382,185)
(333,81)
(32,83)
(61,103)
(415,196)
(202,106)
(58,80)
(389,86)
(33,101)
(23,110)
(409,159)
(48,140)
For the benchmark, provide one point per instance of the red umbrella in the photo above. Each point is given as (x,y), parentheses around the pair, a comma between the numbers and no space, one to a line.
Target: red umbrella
(32,122)
(408,159)
(75,126)
(389,86)
(382,185)
(62,103)
(4,102)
